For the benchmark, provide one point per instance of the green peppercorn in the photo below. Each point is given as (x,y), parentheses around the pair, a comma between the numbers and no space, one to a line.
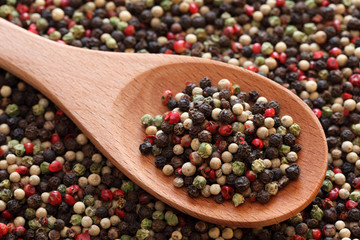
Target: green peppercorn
(295,220)
(327,185)
(290,4)
(27,161)
(34,224)
(300,36)
(146,223)
(274,21)
(6,194)
(38,149)
(237,89)
(172,219)
(284,160)
(142,234)
(158,120)
(147,120)
(77,16)
(267,48)
(96,220)
(326,112)
(200,34)
(127,186)
(111,43)
(316,213)
(198,98)
(284,149)
(122,25)
(79,169)
(12,143)
(356,128)
(42,24)
(205,150)
(5,10)
(51,222)
(44,167)
(62,189)
(309,28)
(310,4)
(289,30)
(125,237)
(96,168)
(19,150)
(323,74)
(238,199)
(330,175)
(166,5)
(38,110)
(238,168)
(158,215)
(75,219)
(272,188)
(90,211)
(281,130)
(56,35)
(238,127)
(199,182)
(89,200)
(259,60)
(68,37)
(114,21)
(11,2)
(230,22)
(5,184)
(355,195)
(258,165)
(12,110)
(30,213)
(156,151)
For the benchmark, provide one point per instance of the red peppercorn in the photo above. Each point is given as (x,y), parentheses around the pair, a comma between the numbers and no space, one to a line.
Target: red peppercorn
(20,230)
(22,8)
(120,213)
(333,194)
(270,112)
(106,195)
(356,182)
(51,30)
(229,31)
(22,170)
(71,24)
(336,170)
(3,229)
(317,112)
(258,143)
(55,166)
(182,221)
(83,236)
(193,8)
(54,198)
(317,18)
(256,48)
(227,192)
(88,33)
(346,112)
(252,68)
(118,194)
(275,55)
(172,117)
(250,175)
(350,204)
(170,36)
(32,28)
(175,139)
(212,127)
(236,47)
(316,234)
(73,189)
(282,58)
(292,68)
(346,96)
(11,227)
(253,197)
(7,215)
(317,54)
(225,130)
(69,200)
(168,51)
(129,30)
(179,46)
(55,138)
(324,3)
(29,190)
(355,79)
(237,29)
(249,10)
(332,63)
(280,3)
(29,147)
(167,95)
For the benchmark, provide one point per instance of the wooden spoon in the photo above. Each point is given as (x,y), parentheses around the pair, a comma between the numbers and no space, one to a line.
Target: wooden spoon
(106,94)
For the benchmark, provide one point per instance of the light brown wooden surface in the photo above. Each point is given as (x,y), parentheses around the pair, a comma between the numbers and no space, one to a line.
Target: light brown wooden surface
(106,94)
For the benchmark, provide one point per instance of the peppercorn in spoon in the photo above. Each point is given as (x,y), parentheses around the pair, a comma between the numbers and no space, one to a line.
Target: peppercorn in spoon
(106,94)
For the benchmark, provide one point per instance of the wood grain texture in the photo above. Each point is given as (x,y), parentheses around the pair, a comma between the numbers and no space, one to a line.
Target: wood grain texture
(106,94)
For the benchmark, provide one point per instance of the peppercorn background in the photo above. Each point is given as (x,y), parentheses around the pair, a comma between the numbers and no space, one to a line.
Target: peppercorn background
(311,47)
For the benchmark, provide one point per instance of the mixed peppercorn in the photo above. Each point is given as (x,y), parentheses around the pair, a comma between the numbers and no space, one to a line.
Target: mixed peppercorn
(311,47)
(219,141)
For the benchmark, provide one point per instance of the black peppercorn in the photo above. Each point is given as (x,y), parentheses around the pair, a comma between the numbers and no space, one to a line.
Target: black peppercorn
(263,197)
(293,171)
(242,183)
(193,191)
(145,148)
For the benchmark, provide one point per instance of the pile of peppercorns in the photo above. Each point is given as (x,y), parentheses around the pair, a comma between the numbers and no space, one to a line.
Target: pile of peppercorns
(311,47)
(217,144)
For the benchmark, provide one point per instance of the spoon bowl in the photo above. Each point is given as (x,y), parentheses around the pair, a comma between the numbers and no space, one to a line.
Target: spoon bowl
(106,94)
